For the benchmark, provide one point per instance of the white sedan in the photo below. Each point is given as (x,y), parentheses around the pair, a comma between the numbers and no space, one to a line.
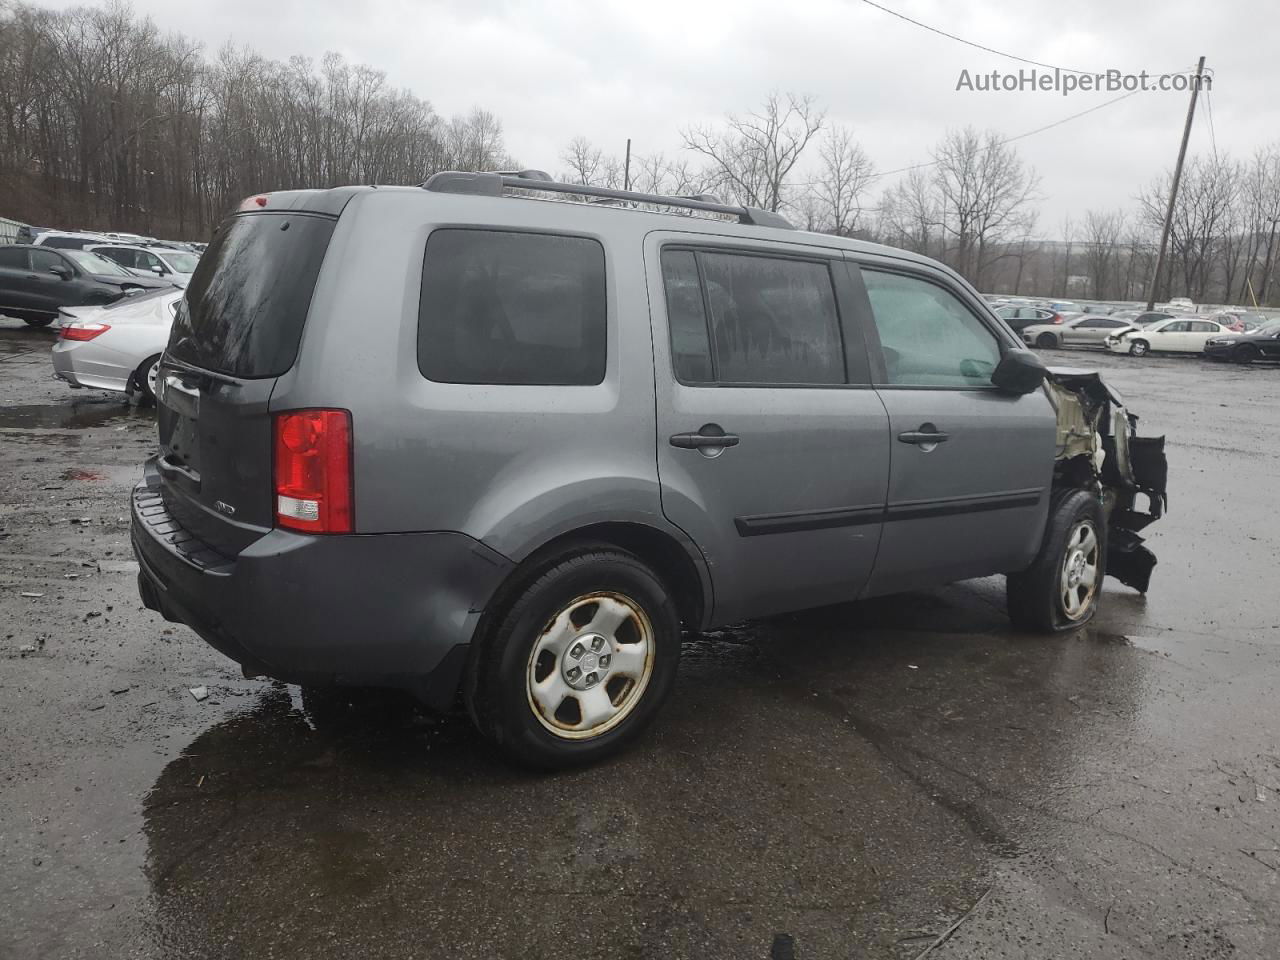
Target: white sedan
(116,347)
(1176,335)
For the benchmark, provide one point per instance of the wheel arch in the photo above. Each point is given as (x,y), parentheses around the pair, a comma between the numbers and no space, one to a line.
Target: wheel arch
(676,561)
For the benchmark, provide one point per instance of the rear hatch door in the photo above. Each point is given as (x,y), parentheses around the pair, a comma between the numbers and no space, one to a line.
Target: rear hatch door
(236,332)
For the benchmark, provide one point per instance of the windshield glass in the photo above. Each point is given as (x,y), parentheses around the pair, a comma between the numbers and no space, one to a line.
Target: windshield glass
(182,262)
(92,263)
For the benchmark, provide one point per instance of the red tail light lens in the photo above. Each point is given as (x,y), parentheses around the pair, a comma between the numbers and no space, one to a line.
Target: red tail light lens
(84,331)
(1057,318)
(313,471)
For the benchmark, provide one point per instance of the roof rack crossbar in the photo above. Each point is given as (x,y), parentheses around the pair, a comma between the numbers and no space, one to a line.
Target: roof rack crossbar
(494,184)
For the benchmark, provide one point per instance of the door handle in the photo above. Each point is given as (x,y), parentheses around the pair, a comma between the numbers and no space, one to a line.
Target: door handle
(710,436)
(926,436)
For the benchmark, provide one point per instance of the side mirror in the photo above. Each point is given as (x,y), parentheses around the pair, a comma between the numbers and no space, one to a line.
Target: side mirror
(159,270)
(61,271)
(1019,372)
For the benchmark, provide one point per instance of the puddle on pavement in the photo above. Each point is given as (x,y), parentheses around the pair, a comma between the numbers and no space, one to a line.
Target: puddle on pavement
(99,473)
(76,415)
(25,339)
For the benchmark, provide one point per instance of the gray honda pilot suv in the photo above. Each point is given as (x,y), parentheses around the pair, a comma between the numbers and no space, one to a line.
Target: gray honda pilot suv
(500,440)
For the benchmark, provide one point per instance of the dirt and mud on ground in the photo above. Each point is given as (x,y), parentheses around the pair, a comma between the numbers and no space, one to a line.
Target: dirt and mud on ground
(844,783)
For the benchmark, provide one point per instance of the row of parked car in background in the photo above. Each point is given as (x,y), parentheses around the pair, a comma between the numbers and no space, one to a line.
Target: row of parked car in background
(1232,334)
(114,296)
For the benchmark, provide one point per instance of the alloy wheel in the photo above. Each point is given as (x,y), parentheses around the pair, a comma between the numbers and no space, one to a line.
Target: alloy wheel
(589,668)
(1080,569)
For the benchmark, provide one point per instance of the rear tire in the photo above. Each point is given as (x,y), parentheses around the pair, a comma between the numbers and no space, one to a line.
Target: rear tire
(1246,353)
(1060,590)
(577,661)
(37,321)
(1046,341)
(1139,348)
(144,379)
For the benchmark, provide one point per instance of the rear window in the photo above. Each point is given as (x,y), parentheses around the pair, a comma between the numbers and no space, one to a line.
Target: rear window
(248,299)
(512,308)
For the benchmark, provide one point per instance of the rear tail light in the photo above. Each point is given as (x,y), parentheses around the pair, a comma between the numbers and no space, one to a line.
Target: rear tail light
(1057,318)
(313,471)
(84,331)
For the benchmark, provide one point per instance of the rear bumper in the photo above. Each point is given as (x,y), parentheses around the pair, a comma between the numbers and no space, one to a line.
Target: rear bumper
(395,610)
(96,368)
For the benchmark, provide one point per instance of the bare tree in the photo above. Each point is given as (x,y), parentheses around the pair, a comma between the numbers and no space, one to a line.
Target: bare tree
(844,175)
(751,156)
(1102,232)
(584,160)
(985,193)
(910,215)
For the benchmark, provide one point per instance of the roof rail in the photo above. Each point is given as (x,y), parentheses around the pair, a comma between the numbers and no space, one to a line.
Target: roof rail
(495,184)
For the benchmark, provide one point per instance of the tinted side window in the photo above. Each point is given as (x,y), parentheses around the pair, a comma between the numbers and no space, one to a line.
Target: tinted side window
(772,320)
(42,261)
(928,336)
(15,258)
(512,308)
(66,243)
(119,255)
(686,317)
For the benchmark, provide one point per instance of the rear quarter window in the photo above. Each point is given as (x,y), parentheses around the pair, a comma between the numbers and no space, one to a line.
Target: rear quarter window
(512,308)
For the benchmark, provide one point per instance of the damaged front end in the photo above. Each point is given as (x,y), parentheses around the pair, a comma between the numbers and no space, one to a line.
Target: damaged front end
(1099,450)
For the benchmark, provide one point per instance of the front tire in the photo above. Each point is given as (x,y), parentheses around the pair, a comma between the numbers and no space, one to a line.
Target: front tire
(578,661)
(37,321)
(1046,341)
(1246,353)
(1139,348)
(1059,591)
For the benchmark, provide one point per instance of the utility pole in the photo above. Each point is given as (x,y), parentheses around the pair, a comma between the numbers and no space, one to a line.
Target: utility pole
(626,169)
(1173,191)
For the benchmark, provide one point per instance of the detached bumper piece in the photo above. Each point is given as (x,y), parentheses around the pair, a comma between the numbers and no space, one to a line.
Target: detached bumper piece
(1098,447)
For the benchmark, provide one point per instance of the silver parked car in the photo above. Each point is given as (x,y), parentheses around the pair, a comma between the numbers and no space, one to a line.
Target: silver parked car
(116,347)
(1085,329)
(176,266)
(463,441)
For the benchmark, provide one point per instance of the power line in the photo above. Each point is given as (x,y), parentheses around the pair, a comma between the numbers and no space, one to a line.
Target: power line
(1001,143)
(1208,109)
(971,43)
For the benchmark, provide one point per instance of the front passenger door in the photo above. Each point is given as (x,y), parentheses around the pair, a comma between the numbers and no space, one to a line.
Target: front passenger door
(48,290)
(970,466)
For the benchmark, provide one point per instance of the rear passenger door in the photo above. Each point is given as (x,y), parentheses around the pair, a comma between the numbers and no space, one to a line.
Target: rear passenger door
(971,466)
(772,447)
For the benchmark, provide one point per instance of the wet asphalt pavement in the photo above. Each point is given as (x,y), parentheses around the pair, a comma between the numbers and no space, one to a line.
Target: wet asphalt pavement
(848,782)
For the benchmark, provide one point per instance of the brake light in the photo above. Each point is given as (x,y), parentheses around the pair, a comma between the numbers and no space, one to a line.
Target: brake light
(313,471)
(84,331)
(1057,318)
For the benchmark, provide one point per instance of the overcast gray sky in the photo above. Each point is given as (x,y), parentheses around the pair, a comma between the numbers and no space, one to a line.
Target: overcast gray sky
(553,69)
